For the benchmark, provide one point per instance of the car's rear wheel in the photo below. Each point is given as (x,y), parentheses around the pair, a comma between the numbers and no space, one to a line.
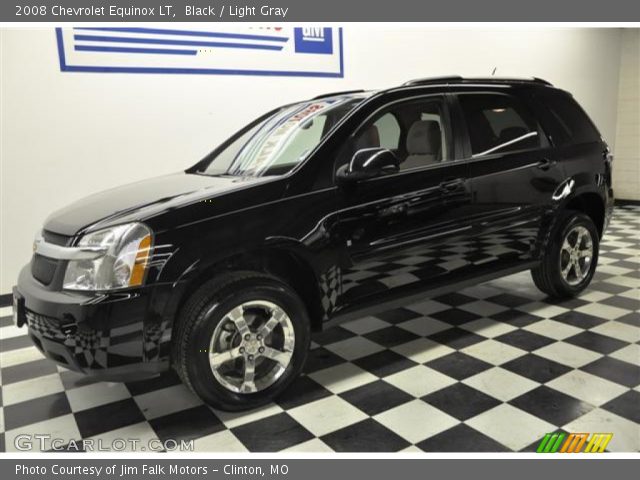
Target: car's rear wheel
(241,340)
(570,261)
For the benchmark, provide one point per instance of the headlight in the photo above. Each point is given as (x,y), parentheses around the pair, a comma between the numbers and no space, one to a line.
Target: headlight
(123,265)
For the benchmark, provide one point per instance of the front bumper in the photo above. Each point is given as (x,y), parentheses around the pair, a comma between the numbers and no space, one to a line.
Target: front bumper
(110,336)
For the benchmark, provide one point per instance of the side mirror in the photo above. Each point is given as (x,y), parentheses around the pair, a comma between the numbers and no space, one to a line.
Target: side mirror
(369,163)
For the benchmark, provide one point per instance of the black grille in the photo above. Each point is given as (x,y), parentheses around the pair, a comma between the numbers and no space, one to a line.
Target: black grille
(43,269)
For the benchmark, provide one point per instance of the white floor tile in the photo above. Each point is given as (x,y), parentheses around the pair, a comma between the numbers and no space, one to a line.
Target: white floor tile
(419,380)
(95,394)
(416,421)
(327,415)
(342,377)
(500,383)
(493,352)
(422,350)
(568,354)
(586,387)
(510,426)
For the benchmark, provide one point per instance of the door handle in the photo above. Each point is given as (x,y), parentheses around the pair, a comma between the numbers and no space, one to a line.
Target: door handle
(451,185)
(546,164)
(393,210)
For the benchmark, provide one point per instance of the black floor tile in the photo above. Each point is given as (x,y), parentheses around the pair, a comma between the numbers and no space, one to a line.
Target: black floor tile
(13,343)
(6,321)
(331,335)
(632,319)
(454,299)
(376,397)
(596,342)
(580,320)
(3,448)
(71,379)
(28,371)
(167,379)
(398,315)
(461,401)
(455,316)
(303,390)
(391,336)
(36,410)
(536,368)
(321,358)
(458,365)
(509,300)
(365,436)
(525,340)
(615,370)
(603,286)
(622,302)
(626,405)
(384,363)
(272,434)
(187,424)
(552,406)
(111,416)
(457,338)
(461,438)
(516,318)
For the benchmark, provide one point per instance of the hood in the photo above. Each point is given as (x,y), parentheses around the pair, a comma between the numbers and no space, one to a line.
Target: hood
(141,200)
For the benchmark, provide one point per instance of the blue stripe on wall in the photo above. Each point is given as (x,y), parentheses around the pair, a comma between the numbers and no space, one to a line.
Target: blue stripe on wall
(165,51)
(191,33)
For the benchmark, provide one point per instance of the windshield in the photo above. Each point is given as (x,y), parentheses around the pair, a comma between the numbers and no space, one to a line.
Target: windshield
(277,144)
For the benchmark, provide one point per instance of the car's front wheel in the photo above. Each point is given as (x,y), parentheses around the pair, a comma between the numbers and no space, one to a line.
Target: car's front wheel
(569,263)
(241,340)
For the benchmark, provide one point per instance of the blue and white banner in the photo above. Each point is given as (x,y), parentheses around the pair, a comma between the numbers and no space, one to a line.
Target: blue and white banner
(223,50)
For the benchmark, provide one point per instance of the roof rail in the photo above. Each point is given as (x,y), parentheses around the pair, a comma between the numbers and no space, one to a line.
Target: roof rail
(333,94)
(429,80)
(459,79)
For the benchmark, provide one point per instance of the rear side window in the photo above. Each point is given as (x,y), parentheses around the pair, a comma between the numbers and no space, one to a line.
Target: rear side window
(568,123)
(498,124)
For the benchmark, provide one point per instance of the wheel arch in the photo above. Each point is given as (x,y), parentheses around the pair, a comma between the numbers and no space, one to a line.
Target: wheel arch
(284,264)
(591,204)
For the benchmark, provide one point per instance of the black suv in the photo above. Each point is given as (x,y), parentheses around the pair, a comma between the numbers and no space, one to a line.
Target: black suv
(327,209)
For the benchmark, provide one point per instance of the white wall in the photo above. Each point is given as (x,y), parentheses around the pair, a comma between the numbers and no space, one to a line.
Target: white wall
(626,166)
(66,135)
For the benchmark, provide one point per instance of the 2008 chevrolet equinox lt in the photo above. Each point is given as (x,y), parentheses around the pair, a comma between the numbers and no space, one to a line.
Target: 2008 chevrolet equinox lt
(319,211)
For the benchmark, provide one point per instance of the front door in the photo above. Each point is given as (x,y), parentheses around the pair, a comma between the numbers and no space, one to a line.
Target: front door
(402,231)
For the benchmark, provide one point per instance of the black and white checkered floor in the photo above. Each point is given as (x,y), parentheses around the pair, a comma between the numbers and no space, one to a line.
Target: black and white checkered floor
(491,368)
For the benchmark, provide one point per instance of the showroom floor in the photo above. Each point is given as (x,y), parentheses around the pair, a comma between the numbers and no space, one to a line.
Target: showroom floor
(491,368)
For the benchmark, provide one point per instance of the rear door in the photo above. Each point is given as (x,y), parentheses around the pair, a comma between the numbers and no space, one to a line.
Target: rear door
(514,173)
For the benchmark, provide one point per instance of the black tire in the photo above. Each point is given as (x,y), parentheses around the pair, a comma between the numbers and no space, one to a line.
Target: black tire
(199,318)
(548,276)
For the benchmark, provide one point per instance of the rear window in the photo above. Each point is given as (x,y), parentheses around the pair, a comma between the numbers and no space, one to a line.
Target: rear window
(498,124)
(569,124)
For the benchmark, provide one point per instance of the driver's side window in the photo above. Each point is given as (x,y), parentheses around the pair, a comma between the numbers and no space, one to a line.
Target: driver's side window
(414,131)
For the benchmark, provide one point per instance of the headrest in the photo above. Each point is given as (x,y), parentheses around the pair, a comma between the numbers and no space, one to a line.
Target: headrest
(369,138)
(424,138)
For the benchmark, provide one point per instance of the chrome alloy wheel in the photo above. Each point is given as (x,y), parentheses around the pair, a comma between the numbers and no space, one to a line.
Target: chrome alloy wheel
(251,346)
(576,255)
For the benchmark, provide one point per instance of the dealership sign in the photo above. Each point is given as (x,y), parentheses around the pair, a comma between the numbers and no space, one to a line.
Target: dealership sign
(225,50)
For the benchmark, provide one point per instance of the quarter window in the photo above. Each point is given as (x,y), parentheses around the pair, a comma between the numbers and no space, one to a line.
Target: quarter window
(498,124)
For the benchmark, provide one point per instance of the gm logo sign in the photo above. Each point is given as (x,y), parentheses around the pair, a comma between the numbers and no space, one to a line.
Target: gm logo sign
(313,40)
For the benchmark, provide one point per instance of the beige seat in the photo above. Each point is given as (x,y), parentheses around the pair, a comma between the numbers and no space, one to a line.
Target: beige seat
(424,144)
